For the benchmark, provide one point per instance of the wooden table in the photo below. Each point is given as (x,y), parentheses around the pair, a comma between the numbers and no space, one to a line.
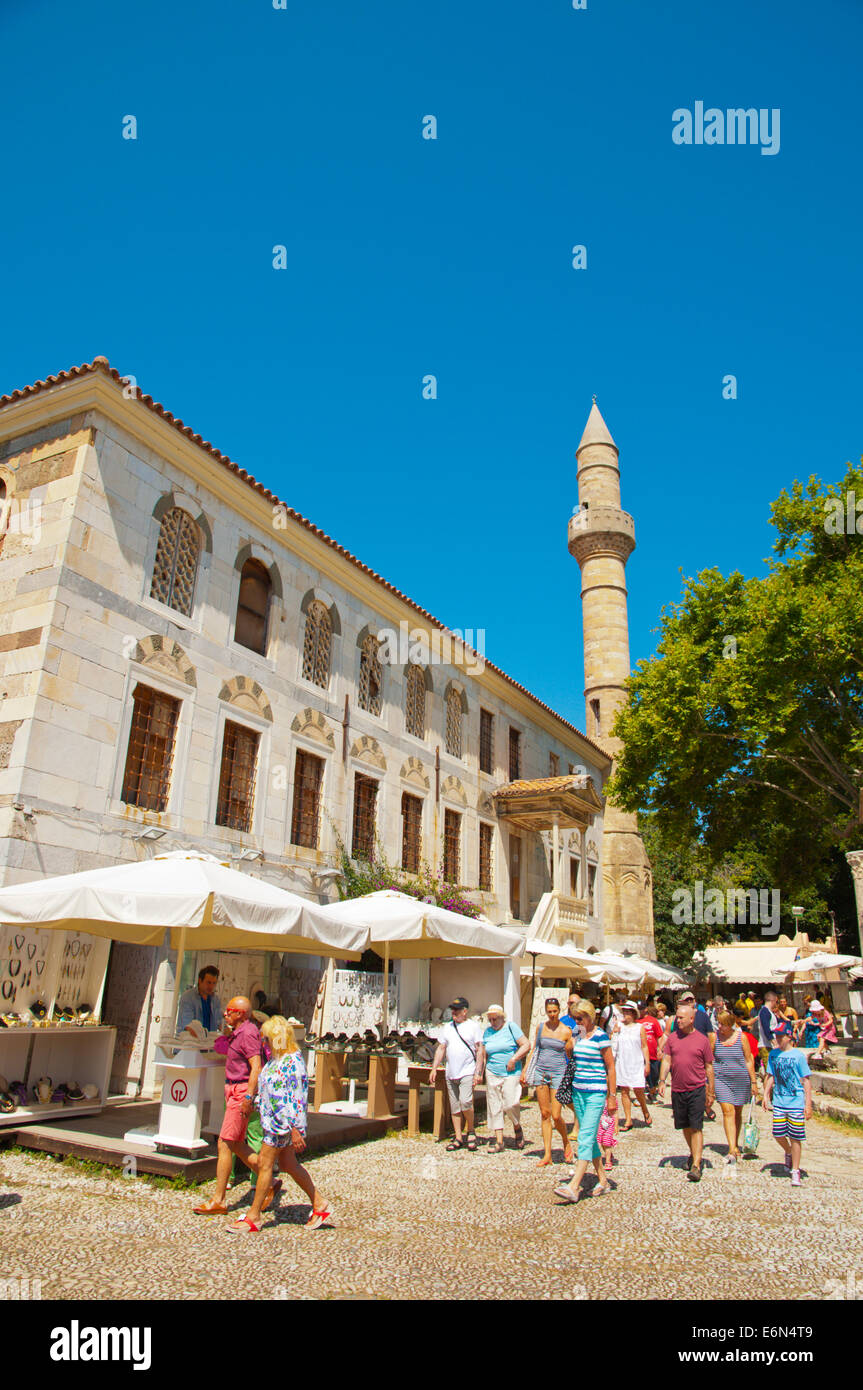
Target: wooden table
(419,1076)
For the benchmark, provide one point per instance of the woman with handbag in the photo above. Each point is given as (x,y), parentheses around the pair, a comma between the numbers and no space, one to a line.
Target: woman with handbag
(504,1046)
(736,1083)
(593,1088)
(552,1049)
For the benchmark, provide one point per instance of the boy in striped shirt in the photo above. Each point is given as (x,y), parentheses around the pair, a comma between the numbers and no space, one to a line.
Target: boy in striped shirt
(789,1085)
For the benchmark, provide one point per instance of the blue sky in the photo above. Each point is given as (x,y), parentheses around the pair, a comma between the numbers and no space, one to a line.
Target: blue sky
(302,127)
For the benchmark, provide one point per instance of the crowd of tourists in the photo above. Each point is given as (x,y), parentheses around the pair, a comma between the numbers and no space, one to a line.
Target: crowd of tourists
(595,1064)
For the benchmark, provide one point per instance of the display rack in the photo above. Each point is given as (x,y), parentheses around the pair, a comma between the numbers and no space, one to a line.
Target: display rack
(66,1053)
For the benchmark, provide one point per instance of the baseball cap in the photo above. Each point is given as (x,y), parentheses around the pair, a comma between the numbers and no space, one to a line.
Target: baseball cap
(630,1004)
(460,1003)
(783,1028)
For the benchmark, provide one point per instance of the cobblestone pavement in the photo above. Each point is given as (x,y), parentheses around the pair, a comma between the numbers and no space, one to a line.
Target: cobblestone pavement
(413,1222)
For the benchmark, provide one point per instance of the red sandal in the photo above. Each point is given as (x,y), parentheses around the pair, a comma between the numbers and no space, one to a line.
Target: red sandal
(243,1227)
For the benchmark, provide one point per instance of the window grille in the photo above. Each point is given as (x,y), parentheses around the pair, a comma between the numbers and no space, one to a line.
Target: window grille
(370,676)
(365,803)
(553,765)
(237,777)
(176,563)
(253,607)
(317,644)
(147,778)
(412,814)
(514,755)
(486,839)
(453,724)
(451,846)
(486,741)
(308,775)
(415,702)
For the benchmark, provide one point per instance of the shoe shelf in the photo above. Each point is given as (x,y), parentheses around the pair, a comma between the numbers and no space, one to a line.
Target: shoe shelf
(65,1053)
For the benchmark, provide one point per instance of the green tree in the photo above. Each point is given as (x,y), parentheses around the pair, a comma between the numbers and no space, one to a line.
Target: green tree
(747,724)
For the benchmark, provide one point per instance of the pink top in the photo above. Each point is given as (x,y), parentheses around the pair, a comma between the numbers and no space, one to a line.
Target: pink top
(690,1053)
(239,1049)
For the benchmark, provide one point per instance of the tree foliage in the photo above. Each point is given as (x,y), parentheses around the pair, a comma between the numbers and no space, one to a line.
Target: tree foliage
(748,721)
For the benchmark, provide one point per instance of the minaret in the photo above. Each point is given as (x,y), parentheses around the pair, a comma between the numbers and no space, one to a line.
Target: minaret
(602,538)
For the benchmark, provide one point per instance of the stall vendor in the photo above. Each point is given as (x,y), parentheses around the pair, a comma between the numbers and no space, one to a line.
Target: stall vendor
(201,1003)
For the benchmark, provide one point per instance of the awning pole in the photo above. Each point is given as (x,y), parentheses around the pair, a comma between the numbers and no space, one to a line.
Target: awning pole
(181,951)
(386,987)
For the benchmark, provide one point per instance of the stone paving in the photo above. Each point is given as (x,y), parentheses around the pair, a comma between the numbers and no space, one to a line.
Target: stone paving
(414,1222)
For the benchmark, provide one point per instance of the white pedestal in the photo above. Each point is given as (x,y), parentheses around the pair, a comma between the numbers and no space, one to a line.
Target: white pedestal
(186,1069)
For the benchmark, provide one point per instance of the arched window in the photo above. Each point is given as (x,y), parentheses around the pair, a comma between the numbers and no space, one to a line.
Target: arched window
(415,702)
(370,676)
(453,723)
(317,644)
(176,566)
(253,607)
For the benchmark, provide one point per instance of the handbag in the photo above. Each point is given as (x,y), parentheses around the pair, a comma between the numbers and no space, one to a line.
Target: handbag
(751,1135)
(530,1070)
(564,1090)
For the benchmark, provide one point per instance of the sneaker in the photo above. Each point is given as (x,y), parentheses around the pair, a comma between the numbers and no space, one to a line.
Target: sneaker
(318,1218)
(795,1177)
(694,1174)
(787,1162)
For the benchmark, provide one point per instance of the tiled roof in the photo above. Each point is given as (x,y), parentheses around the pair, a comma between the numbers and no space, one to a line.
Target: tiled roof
(101,364)
(524,787)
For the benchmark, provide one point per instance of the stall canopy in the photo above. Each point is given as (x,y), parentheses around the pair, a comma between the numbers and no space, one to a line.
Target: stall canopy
(546,958)
(649,972)
(819,961)
(743,965)
(405,928)
(197,899)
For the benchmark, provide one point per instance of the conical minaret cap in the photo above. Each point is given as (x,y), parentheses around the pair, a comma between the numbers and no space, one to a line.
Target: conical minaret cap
(595,431)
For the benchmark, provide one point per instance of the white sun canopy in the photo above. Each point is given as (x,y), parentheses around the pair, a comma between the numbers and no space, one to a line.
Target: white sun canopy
(202,903)
(406,928)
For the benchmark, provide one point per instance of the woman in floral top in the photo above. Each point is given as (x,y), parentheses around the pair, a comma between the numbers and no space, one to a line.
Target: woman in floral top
(282,1098)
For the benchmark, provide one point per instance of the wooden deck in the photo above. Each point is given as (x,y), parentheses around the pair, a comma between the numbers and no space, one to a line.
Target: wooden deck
(99,1138)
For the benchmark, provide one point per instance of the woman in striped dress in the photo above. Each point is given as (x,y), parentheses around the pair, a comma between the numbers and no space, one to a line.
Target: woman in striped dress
(594,1088)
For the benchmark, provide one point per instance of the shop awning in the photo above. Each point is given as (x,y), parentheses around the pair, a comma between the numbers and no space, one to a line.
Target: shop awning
(743,964)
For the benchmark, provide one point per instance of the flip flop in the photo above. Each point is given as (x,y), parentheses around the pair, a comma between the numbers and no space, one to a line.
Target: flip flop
(243,1227)
(211,1208)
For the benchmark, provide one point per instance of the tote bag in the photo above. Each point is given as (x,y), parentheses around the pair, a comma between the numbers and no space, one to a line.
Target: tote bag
(530,1069)
(751,1135)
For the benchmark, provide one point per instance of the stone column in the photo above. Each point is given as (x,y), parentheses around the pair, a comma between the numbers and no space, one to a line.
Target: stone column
(555,855)
(855,863)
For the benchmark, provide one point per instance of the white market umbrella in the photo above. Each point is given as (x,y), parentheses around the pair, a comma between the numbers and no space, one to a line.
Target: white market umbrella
(650,971)
(560,960)
(819,960)
(192,896)
(401,927)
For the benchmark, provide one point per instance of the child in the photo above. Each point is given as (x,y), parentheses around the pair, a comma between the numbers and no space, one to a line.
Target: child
(788,1083)
(606,1137)
(826,1029)
(282,1098)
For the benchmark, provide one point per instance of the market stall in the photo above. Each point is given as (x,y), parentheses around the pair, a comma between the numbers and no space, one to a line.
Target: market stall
(192,897)
(401,927)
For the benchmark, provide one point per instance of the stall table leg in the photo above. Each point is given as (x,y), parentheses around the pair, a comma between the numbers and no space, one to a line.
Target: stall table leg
(329,1069)
(382,1087)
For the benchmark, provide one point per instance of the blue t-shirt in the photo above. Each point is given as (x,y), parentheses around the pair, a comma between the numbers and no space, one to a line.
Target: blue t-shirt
(788,1069)
(500,1046)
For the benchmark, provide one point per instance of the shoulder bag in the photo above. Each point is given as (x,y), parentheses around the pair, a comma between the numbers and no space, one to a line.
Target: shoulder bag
(530,1070)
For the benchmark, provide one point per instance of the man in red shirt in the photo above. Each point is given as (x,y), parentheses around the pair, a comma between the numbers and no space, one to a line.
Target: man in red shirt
(243,1058)
(653,1031)
(689,1058)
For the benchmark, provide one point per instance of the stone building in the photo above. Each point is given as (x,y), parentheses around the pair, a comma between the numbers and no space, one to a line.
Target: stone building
(189,663)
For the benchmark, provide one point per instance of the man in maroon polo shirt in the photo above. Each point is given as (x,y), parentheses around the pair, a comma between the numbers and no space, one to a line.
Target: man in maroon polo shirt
(689,1057)
(244,1056)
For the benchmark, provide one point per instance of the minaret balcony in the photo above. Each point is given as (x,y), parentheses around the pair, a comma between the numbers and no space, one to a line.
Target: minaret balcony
(593,529)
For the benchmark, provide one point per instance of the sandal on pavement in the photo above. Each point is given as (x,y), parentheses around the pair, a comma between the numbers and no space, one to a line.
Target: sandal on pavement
(519,1138)
(318,1218)
(566,1193)
(243,1227)
(454,1144)
(211,1208)
(471,1143)
(624,1129)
